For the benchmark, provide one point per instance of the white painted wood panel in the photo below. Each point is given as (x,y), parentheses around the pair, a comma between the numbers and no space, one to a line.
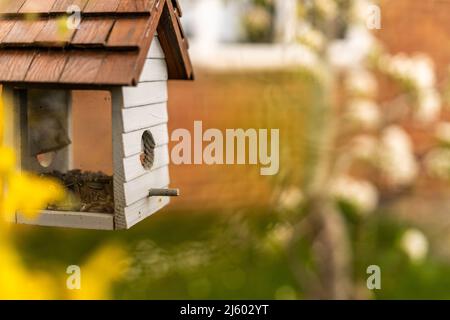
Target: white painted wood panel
(144,117)
(154,70)
(144,208)
(134,169)
(145,93)
(79,220)
(132,141)
(139,188)
(155,50)
(119,177)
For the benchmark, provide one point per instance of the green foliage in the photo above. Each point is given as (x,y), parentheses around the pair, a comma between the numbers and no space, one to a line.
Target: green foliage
(191,255)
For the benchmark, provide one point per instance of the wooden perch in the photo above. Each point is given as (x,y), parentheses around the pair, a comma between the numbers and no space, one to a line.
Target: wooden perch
(164,193)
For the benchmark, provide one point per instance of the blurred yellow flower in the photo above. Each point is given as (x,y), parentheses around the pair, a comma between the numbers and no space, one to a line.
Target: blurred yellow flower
(108,264)
(7,161)
(18,283)
(28,194)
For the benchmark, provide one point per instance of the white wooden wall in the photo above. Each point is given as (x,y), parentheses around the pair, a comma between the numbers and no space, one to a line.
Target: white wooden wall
(136,110)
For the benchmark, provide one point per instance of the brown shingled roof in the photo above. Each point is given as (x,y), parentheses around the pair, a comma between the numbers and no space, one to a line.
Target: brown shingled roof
(108,49)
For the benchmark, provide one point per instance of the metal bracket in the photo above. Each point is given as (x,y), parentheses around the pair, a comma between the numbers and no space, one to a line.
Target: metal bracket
(164,193)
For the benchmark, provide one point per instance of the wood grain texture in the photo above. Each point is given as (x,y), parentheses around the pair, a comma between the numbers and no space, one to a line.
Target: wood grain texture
(128,32)
(5,28)
(46,67)
(176,5)
(11,6)
(117,68)
(82,67)
(24,32)
(113,48)
(37,6)
(54,34)
(101,6)
(61,6)
(93,31)
(182,33)
(78,220)
(14,64)
(135,5)
(169,34)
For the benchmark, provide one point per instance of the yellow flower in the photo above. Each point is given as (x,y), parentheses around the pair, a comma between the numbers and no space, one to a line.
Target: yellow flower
(17,283)
(108,264)
(28,193)
(7,160)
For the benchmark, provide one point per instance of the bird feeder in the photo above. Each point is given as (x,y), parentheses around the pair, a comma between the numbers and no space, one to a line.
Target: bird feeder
(84,74)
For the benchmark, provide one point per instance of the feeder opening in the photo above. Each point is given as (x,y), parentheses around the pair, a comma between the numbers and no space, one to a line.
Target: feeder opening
(148,150)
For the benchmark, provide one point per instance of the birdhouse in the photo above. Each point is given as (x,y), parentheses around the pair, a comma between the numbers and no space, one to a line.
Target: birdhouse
(79,75)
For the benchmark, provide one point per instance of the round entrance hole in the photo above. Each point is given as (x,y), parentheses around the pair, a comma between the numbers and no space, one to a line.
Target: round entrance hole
(148,150)
(45,160)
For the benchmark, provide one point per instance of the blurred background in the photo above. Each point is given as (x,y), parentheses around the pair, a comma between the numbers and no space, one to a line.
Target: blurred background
(360,98)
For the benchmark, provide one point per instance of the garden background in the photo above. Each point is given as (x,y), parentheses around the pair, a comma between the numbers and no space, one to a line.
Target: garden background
(229,236)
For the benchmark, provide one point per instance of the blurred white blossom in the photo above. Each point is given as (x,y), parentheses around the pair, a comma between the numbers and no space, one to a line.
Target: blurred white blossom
(437,163)
(428,106)
(310,37)
(396,157)
(363,113)
(423,71)
(414,244)
(291,198)
(360,82)
(416,71)
(279,235)
(353,50)
(362,196)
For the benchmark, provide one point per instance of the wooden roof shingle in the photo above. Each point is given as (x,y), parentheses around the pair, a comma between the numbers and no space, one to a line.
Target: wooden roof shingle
(108,48)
